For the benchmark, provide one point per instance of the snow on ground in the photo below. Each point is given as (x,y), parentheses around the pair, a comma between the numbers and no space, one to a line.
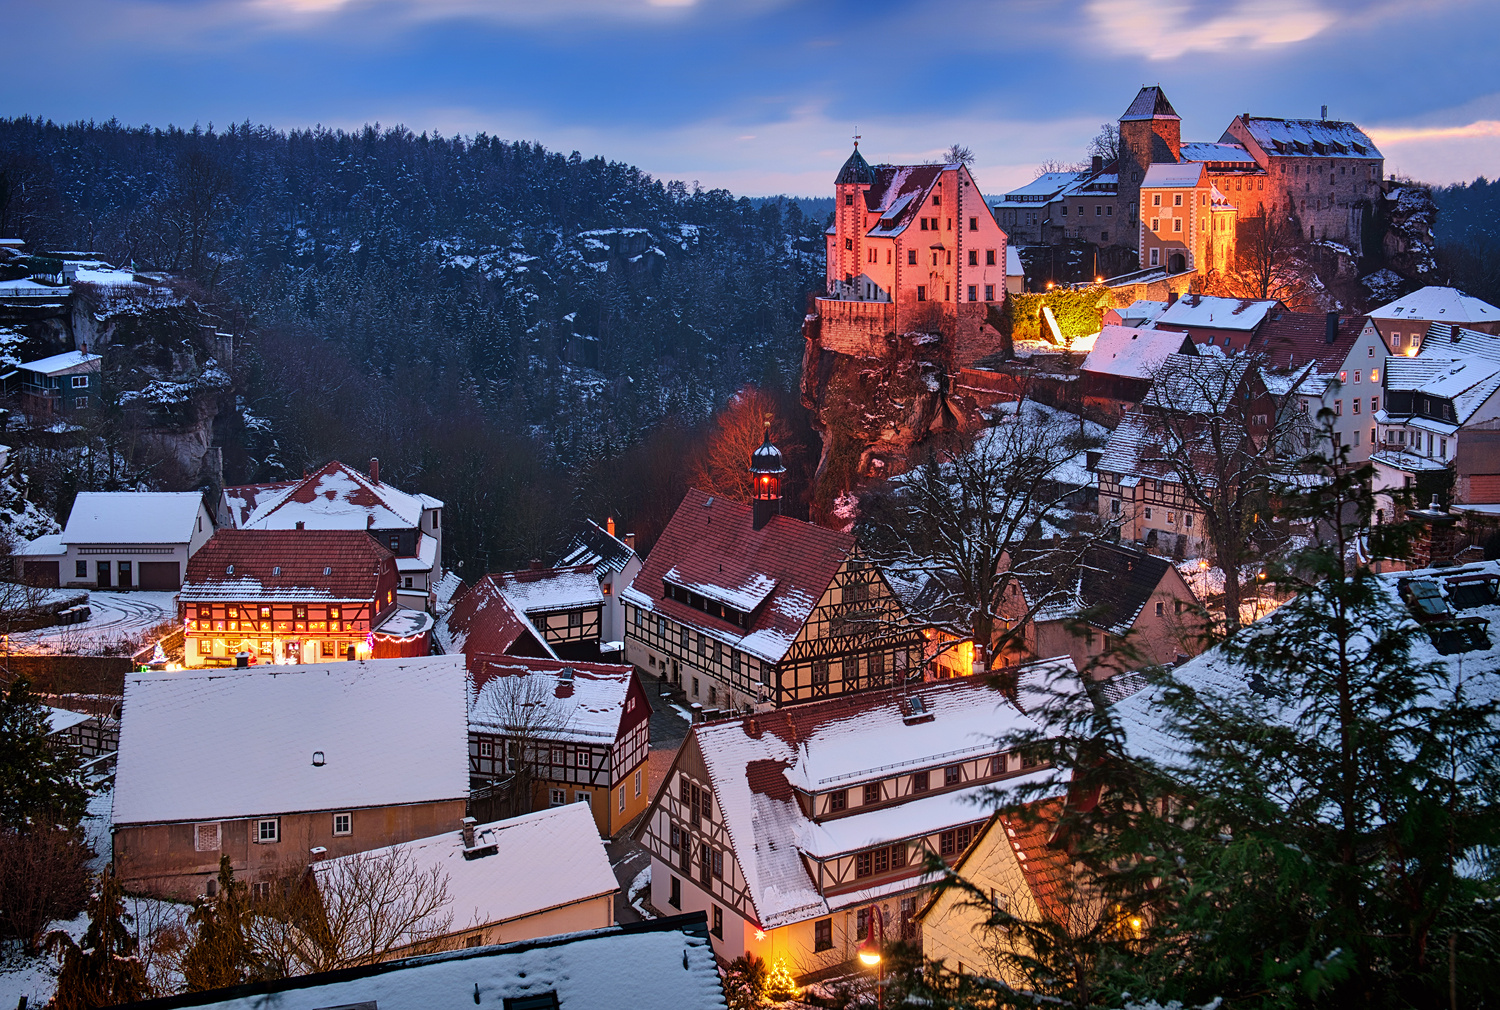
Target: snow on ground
(117,625)
(639,890)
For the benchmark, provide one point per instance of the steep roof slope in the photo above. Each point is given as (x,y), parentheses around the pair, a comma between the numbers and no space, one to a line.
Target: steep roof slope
(330,565)
(133,517)
(482,622)
(595,545)
(391,731)
(1150,103)
(1441,304)
(339,497)
(1132,352)
(1292,339)
(778,572)
(581,701)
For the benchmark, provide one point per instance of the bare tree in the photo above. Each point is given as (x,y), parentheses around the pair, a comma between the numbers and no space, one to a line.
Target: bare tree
(723,467)
(376,905)
(1269,261)
(979,522)
(523,710)
(1213,430)
(958,154)
(1106,143)
(1054,165)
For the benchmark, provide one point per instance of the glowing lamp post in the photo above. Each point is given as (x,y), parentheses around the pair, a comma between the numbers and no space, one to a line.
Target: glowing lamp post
(869,953)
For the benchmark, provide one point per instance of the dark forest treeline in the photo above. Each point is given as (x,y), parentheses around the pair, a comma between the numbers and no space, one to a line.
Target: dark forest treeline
(1468,235)
(507,326)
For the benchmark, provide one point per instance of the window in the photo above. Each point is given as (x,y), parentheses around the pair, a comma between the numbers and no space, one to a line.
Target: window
(1114,506)
(1355,403)
(268,830)
(838,799)
(1177,224)
(863,863)
(406,582)
(1064,210)
(937,200)
(919,782)
(911,257)
(622,799)
(1338,408)
(705,872)
(80,382)
(582,797)
(486,749)
(973,292)
(921,292)
(1155,254)
(1156,199)
(973,224)
(924,224)
(1104,236)
(581,758)
(989,292)
(862,923)
(674,893)
(952,775)
(1187,520)
(260,890)
(823,935)
(558,798)
(973,257)
(80,569)
(848,199)
(1148,513)
(718,929)
(872,793)
(206,837)
(1109,210)
(849,244)
(343,824)
(638,782)
(989,257)
(1161,608)
(1370,353)
(1374,404)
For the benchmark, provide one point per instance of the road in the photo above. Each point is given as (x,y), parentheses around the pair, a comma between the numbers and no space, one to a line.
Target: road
(115,626)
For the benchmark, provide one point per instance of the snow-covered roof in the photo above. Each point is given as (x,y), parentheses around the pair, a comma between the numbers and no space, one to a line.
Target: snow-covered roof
(1308,138)
(1212,312)
(405,623)
(541,860)
(595,545)
(424,559)
(133,517)
(1013,265)
(1213,677)
(338,497)
(237,504)
(1135,353)
(62,719)
(1141,311)
(897,192)
(658,963)
(445,589)
(1205,152)
(333,566)
(63,362)
(1047,184)
(1465,371)
(1165,175)
(712,547)
(584,702)
(45,545)
(391,731)
(544,590)
(755,763)
(1439,304)
(482,621)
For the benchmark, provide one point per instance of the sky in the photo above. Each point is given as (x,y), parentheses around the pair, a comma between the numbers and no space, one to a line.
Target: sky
(764,96)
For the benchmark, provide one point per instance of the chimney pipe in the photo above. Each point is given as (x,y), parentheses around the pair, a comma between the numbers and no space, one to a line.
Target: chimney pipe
(609,525)
(301,525)
(1097,165)
(536,564)
(468,832)
(1325,113)
(375,469)
(370,521)
(1331,328)
(1453,332)
(1171,299)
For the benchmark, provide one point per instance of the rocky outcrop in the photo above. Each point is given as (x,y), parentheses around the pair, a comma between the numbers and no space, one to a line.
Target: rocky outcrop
(877,408)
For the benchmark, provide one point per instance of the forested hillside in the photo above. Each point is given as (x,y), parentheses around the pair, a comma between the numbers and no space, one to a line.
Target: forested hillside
(1468,234)
(496,321)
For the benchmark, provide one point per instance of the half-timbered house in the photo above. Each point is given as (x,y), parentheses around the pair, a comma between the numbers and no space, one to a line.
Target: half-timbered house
(615,563)
(481,621)
(292,596)
(786,826)
(564,605)
(579,731)
(739,605)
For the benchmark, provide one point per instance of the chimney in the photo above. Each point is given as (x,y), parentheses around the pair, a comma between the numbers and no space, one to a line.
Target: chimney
(370,521)
(1325,113)
(1331,328)
(1454,332)
(1097,165)
(301,525)
(318,853)
(468,832)
(535,565)
(375,469)
(630,540)
(609,525)
(1171,299)
(1437,538)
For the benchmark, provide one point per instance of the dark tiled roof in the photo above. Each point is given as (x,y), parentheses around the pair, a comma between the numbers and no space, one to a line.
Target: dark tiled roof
(1116,580)
(593,545)
(855,171)
(891,184)
(1047,868)
(1292,339)
(1151,103)
(288,564)
(710,546)
(482,622)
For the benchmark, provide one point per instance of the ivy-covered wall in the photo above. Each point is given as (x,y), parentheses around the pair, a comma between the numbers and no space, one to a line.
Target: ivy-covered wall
(1078,314)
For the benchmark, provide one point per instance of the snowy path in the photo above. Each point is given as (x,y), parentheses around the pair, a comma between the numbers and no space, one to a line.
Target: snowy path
(117,622)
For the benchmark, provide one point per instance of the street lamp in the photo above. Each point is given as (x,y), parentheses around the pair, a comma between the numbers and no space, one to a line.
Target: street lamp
(869,952)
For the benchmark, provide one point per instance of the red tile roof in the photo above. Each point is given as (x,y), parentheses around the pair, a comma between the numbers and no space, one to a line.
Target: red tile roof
(1048,870)
(1292,339)
(240,501)
(483,622)
(710,546)
(338,497)
(287,565)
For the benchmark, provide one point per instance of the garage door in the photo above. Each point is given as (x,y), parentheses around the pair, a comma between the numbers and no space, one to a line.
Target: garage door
(163,575)
(40,573)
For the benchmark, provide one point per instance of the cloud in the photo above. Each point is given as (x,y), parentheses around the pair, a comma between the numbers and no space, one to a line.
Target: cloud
(1426,134)
(1168,29)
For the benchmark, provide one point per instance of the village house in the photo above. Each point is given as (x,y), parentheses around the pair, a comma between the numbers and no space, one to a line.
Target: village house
(1439,427)
(345,757)
(531,876)
(60,384)
(787,826)
(564,606)
(483,622)
(1056,206)
(739,605)
(577,732)
(913,248)
(338,497)
(1116,595)
(1139,314)
(1025,870)
(1141,490)
(89,735)
(1186,223)
(615,565)
(658,963)
(122,540)
(1116,374)
(1227,323)
(1404,321)
(295,596)
(1326,361)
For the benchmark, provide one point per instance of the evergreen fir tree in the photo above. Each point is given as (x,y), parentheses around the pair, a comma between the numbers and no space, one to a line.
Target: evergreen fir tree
(39,782)
(220,953)
(105,968)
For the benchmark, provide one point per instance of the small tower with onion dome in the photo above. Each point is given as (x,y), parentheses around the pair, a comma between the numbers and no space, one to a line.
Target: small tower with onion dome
(766,472)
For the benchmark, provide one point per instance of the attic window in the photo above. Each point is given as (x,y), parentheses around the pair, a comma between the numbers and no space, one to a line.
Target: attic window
(229,569)
(537,1001)
(327,569)
(275,569)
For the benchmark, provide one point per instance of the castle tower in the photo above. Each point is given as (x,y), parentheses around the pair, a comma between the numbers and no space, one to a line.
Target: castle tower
(1150,133)
(853,181)
(766,473)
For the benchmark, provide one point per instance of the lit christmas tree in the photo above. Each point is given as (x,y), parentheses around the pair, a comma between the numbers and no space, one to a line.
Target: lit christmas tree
(781,986)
